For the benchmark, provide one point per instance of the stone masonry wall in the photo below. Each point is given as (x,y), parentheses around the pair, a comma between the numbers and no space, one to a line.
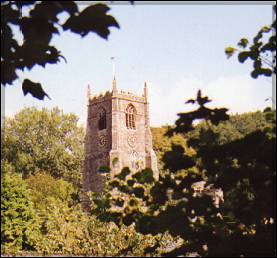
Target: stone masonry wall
(116,146)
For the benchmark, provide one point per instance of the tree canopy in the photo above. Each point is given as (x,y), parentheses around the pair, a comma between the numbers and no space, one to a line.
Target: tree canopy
(44,141)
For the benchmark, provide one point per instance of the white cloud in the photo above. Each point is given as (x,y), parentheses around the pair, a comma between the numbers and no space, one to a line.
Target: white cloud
(238,93)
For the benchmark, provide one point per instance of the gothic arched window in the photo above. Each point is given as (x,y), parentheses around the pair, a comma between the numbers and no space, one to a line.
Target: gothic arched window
(130,117)
(102,124)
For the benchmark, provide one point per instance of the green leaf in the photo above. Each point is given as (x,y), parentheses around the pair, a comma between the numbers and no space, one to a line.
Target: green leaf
(229,51)
(139,192)
(124,172)
(243,42)
(8,73)
(265,29)
(34,89)
(92,19)
(144,176)
(243,56)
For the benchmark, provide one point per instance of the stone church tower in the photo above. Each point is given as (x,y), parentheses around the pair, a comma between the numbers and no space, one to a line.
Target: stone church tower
(118,135)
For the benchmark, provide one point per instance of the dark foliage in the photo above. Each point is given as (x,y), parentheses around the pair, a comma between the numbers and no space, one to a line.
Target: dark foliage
(262,51)
(33,88)
(220,200)
(185,122)
(38,28)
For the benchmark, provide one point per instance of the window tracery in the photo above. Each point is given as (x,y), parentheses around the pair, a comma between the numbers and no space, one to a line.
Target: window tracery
(130,117)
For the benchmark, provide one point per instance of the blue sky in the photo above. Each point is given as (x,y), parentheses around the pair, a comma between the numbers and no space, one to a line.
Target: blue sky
(176,49)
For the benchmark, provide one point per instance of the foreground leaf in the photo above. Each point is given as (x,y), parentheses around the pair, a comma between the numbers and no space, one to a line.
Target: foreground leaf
(35,89)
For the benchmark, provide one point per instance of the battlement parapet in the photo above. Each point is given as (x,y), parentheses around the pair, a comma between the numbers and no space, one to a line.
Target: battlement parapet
(130,95)
(100,97)
(119,94)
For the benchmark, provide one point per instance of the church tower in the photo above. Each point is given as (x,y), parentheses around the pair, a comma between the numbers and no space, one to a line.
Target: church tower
(118,135)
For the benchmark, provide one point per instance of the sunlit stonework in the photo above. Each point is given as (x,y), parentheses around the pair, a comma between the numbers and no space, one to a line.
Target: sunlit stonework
(118,135)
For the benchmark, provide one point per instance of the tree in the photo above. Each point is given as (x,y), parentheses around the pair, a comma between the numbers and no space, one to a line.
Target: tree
(44,140)
(38,23)
(44,188)
(51,225)
(220,200)
(239,156)
(162,143)
(237,127)
(19,222)
(40,217)
(262,51)
(70,231)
